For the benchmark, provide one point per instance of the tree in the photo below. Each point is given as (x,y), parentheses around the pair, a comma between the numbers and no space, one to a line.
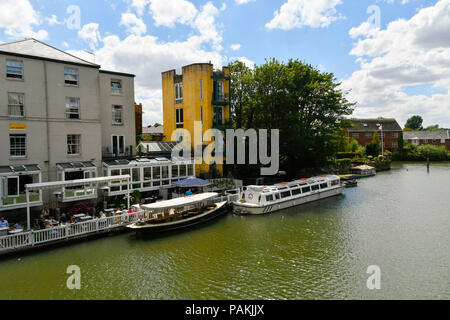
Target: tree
(305,104)
(432,128)
(373,148)
(241,80)
(415,123)
(400,143)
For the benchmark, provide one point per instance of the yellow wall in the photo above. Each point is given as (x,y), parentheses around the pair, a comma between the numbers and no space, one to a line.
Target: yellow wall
(192,103)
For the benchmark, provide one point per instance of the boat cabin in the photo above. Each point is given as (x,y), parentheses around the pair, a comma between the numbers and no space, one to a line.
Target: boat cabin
(261,195)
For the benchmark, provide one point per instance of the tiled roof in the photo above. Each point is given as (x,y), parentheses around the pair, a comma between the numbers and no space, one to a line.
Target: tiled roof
(426,135)
(372,125)
(35,48)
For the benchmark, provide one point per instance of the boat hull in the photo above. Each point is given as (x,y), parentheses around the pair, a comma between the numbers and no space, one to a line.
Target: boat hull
(222,209)
(243,209)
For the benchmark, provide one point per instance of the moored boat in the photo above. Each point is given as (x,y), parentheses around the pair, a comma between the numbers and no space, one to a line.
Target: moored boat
(264,199)
(180,213)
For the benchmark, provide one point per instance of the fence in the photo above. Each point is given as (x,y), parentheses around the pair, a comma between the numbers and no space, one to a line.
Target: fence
(33,238)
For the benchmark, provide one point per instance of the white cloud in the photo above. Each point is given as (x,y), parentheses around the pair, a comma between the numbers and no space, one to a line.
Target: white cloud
(235,47)
(411,53)
(249,63)
(17,18)
(139,6)
(239,2)
(299,13)
(89,33)
(133,24)
(168,12)
(53,20)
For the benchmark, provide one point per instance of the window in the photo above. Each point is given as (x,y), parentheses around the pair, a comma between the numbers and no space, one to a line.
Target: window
(443,141)
(174,171)
(13,186)
(269,198)
(14,69)
(118,145)
(306,189)
(296,192)
(117,115)
(73,144)
(18,145)
(201,90)
(201,114)
(178,93)
(285,194)
(394,144)
(355,136)
(116,87)
(71,77)
(179,118)
(315,187)
(72,108)
(369,135)
(323,186)
(395,135)
(16,104)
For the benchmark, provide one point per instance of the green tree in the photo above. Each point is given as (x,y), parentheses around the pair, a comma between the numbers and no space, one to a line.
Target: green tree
(305,104)
(432,128)
(401,143)
(241,91)
(415,123)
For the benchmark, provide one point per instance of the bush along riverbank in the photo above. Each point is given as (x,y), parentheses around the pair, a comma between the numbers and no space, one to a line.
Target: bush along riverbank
(422,153)
(347,160)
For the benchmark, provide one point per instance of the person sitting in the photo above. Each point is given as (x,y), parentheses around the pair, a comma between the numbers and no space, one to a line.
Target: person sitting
(189,193)
(73,220)
(131,210)
(101,215)
(63,219)
(4,223)
(42,222)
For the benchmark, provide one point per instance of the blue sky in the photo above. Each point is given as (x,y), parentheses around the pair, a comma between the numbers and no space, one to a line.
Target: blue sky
(394,55)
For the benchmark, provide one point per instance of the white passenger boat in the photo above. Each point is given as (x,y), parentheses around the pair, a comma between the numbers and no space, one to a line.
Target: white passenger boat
(267,199)
(180,213)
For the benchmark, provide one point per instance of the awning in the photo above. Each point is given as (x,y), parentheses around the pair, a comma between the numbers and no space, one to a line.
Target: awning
(192,183)
(74,183)
(180,202)
(76,165)
(20,168)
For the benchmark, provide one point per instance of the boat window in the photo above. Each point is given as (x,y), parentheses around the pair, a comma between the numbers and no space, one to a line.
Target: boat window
(334,182)
(323,186)
(285,194)
(283,188)
(296,192)
(269,198)
(306,189)
(315,187)
(277,196)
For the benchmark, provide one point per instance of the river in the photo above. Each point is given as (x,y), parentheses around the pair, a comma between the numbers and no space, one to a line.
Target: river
(398,220)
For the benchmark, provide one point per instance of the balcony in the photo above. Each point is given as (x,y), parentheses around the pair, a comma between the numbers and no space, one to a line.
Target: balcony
(221,99)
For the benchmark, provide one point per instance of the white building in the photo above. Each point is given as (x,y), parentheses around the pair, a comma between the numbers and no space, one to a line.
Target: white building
(61,118)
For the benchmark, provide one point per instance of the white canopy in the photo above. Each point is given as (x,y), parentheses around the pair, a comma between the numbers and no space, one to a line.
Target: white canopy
(73,183)
(180,202)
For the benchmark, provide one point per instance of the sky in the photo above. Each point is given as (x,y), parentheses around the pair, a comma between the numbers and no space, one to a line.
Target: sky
(392,57)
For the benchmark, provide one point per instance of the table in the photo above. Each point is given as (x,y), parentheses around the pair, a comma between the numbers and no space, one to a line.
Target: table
(80,215)
(15,231)
(85,218)
(3,231)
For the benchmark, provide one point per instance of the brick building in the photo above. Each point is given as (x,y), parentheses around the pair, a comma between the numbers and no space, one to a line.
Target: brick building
(435,138)
(362,130)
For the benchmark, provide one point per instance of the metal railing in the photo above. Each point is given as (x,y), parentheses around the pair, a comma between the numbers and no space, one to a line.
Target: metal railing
(33,238)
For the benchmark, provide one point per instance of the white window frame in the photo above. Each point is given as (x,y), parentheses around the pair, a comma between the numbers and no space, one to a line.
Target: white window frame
(71,74)
(442,141)
(73,144)
(70,108)
(395,135)
(15,67)
(178,93)
(116,91)
(115,113)
(117,136)
(21,105)
(16,148)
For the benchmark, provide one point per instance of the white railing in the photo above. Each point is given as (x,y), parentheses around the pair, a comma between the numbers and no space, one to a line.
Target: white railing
(32,238)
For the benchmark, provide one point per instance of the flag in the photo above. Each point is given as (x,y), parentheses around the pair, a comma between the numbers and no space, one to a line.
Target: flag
(381,127)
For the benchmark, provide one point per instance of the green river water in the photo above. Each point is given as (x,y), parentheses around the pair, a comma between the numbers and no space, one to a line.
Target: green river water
(398,220)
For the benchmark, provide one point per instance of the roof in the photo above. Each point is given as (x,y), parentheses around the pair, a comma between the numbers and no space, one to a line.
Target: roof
(364,167)
(32,48)
(371,125)
(192,182)
(153,130)
(180,202)
(73,183)
(118,73)
(20,168)
(426,135)
(76,165)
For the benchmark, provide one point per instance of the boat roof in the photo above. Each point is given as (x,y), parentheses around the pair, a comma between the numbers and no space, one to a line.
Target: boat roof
(181,202)
(285,185)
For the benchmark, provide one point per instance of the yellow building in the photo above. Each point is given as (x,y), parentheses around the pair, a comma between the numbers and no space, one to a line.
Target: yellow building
(199,94)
